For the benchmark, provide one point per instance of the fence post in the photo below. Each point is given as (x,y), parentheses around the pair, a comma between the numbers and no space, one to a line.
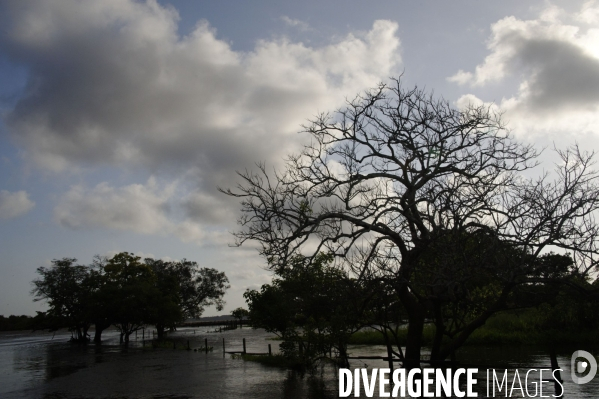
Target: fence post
(269,350)
(244,351)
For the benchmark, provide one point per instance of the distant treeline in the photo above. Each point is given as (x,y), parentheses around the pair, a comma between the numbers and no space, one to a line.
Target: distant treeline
(15,323)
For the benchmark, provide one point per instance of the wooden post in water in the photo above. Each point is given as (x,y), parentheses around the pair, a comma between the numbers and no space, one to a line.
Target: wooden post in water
(223,347)
(244,346)
(269,350)
(206,344)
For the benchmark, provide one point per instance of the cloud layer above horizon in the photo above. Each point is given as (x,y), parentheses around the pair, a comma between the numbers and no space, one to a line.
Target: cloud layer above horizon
(113,83)
(555,59)
(120,118)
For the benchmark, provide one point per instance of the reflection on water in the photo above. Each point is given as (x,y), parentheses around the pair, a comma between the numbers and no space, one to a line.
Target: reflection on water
(36,366)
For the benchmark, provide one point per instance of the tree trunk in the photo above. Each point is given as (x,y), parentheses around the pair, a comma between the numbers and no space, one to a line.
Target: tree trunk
(438,339)
(416,313)
(343,360)
(160,331)
(85,334)
(389,349)
(99,327)
(80,336)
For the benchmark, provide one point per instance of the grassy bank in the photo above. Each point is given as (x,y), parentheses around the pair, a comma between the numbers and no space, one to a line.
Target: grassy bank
(501,329)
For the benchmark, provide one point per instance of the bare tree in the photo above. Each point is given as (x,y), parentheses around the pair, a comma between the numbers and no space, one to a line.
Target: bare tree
(397,174)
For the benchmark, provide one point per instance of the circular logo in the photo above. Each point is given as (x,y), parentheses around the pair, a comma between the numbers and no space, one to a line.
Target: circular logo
(580,366)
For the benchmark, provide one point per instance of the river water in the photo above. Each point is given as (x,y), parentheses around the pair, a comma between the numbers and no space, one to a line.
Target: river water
(40,365)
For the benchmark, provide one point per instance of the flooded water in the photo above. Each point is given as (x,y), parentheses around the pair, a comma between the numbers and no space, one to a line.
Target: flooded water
(42,366)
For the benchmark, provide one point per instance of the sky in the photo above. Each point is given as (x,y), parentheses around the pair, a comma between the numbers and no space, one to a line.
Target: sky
(119,119)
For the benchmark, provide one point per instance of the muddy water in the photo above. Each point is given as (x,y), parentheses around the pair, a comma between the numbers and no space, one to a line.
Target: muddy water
(39,366)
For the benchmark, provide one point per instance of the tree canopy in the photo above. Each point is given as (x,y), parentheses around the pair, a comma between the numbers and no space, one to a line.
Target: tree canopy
(127,292)
(397,183)
(309,305)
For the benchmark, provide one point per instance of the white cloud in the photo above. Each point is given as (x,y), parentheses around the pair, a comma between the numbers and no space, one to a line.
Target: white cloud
(589,13)
(148,208)
(296,23)
(15,204)
(112,83)
(138,208)
(556,59)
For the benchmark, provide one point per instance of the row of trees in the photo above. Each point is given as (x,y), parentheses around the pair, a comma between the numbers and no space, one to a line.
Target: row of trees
(126,292)
(428,208)
(23,322)
(316,307)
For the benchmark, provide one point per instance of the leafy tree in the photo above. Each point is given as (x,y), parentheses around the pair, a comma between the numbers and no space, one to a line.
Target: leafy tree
(126,292)
(66,288)
(240,314)
(309,305)
(98,305)
(186,289)
(468,277)
(384,178)
(129,292)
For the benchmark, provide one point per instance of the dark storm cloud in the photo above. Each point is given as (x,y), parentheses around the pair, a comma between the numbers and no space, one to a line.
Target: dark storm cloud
(563,76)
(111,82)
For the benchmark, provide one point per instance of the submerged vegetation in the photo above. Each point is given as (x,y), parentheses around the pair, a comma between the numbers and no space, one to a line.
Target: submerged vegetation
(125,292)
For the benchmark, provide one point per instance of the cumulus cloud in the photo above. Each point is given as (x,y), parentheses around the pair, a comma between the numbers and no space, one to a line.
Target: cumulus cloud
(150,208)
(296,23)
(15,204)
(556,58)
(139,208)
(202,207)
(113,83)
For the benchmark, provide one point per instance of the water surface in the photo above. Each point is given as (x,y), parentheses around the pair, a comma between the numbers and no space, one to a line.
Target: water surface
(40,365)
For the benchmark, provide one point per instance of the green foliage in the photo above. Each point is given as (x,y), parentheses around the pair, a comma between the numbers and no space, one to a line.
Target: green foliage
(130,292)
(534,326)
(240,313)
(126,292)
(16,323)
(67,289)
(308,305)
(186,289)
